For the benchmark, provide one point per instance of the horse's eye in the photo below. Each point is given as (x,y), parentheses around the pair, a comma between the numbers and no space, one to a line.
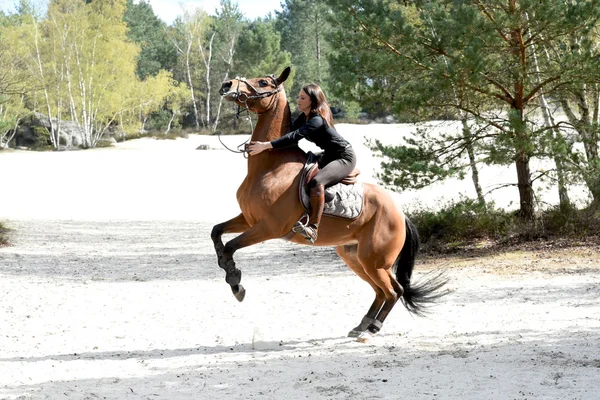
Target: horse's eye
(263,83)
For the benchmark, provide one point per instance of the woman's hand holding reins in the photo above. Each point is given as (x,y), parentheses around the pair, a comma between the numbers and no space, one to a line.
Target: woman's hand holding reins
(255,148)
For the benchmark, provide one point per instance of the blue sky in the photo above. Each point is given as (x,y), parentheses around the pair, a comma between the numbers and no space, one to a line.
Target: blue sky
(168,10)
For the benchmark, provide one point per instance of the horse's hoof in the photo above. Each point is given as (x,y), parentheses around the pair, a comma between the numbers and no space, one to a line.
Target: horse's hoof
(354,333)
(364,337)
(239,292)
(362,327)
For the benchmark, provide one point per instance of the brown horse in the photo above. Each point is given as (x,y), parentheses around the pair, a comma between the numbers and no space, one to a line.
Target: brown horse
(379,246)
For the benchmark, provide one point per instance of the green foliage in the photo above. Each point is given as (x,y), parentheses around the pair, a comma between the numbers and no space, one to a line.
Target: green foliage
(351,110)
(259,51)
(464,221)
(481,60)
(3,235)
(42,138)
(305,28)
(15,78)
(465,224)
(410,166)
(435,152)
(146,29)
(159,120)
(172,135)
(557,221)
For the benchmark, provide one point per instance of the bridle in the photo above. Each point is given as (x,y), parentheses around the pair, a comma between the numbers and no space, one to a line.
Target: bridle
(257,95)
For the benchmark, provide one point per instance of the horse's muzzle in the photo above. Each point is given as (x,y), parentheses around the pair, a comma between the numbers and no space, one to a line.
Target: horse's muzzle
(225,88)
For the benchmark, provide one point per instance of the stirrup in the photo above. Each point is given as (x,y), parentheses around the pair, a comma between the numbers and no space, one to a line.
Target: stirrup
(302,222)
(309,232)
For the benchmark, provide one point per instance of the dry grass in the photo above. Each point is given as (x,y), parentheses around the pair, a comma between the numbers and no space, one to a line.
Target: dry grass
(551,256)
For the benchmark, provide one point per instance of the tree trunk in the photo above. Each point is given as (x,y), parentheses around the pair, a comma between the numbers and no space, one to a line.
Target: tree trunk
(169,125)
(230,53)
(522,140)
(526,198)
(588,134)
(563,195)
(189,77)
(53,131)
(318,43)
(207,63)
(466,132)
(472,160)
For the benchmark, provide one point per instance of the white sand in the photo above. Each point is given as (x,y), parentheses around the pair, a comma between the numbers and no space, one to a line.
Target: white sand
(112,290)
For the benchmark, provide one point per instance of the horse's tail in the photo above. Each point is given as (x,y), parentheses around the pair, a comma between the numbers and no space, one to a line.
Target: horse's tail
(417,296)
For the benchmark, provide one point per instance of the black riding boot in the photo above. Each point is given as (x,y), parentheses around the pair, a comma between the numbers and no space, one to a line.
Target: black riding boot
(317,203)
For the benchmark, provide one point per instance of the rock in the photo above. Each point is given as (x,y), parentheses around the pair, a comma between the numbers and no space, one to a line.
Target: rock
(203,147)
(34,132)
(108,139)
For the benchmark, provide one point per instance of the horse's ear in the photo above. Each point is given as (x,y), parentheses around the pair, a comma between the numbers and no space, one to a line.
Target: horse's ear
(284,75)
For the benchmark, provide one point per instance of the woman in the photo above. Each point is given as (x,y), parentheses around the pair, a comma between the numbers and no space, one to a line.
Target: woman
(338,160)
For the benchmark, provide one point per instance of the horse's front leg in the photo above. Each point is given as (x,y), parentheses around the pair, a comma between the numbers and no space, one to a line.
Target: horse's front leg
(253,235)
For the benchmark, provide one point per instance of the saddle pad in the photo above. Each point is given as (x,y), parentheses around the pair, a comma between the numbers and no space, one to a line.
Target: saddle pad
(347,199)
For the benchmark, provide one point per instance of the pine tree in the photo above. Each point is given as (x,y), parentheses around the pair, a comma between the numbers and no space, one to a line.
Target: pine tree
(479,54)
(305,27)
(148,31)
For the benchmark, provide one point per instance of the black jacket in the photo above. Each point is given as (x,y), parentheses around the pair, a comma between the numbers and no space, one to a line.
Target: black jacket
(316,131)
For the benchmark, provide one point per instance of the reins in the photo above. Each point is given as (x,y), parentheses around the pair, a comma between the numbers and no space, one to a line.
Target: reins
(243,147)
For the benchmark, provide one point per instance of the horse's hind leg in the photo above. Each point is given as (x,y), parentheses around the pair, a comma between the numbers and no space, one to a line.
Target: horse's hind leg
(348,253)
(392,291)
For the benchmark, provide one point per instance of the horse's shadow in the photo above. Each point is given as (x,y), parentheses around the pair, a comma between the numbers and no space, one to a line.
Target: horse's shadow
(155,354)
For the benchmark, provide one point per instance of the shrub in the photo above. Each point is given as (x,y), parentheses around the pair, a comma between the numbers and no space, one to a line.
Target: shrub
(465,220)
(466,223)
(3,235)
(566,222)
(42,138)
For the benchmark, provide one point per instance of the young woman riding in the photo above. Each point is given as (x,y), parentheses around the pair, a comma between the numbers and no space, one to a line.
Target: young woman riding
(315,123)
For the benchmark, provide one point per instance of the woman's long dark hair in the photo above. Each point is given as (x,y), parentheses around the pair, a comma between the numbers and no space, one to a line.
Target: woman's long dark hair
(318,102)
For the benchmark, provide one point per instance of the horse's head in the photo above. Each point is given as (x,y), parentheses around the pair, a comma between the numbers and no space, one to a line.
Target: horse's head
(257,94)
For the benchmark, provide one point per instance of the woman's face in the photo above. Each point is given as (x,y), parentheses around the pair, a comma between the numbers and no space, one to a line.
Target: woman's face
(303,102)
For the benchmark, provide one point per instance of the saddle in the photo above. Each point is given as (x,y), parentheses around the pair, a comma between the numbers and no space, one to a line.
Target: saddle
(343,200)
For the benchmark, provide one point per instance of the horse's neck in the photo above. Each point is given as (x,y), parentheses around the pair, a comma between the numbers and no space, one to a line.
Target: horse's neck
(272,125)
(275,122)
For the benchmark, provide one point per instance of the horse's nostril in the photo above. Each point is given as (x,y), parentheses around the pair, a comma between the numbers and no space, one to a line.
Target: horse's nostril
(225,87)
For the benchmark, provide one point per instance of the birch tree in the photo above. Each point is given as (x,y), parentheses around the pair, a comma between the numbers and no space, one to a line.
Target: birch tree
(187,35)
(580,102)
(175,102)
(98,62)
(305,27)
(15,78)
(228,26)
(150,95)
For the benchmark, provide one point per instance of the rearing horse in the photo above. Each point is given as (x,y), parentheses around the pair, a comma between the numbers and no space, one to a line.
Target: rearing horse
(380,245)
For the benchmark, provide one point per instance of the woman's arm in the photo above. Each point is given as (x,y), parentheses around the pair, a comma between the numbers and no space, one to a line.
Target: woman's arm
(295,136)
(289,139)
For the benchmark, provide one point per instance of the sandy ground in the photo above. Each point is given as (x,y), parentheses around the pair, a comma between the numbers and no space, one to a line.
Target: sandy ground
(111,291)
